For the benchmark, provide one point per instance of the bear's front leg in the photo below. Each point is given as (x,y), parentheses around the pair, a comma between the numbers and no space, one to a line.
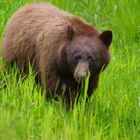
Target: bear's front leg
(93,84)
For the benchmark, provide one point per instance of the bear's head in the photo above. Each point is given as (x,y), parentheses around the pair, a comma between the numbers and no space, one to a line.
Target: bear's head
(87,53)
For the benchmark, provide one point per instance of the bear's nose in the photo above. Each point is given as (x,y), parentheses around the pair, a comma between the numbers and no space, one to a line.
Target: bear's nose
(81,74)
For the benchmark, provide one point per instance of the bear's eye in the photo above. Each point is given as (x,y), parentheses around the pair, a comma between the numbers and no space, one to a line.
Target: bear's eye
(91,59)
(77,58)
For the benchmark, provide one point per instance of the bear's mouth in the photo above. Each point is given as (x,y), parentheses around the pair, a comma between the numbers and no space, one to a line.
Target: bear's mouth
(81,71)
(81,75)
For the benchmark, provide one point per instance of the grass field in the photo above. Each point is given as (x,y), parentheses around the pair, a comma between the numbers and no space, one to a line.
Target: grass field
(112,113)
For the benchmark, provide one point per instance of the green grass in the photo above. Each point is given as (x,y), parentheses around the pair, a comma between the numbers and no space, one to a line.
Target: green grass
(112,113)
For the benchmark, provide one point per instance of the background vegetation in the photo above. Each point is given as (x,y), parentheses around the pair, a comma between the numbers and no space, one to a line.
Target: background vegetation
(112,113)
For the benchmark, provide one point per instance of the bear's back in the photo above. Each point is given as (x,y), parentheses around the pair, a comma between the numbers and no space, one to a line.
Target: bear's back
(24,27)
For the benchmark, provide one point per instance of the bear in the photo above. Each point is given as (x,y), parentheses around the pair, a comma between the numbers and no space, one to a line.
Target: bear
(64,49)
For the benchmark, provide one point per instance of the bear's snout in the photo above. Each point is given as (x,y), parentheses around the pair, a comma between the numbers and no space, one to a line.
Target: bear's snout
(81,71)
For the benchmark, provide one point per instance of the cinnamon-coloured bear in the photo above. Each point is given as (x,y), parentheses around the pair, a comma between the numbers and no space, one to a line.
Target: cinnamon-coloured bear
(62,48)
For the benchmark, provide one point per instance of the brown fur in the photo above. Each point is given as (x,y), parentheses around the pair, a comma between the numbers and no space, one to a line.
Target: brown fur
(37,33)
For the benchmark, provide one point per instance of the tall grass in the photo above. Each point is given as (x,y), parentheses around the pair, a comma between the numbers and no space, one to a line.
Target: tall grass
(113,112)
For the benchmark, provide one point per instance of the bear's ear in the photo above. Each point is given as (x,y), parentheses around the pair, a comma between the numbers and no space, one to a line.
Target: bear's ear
(106,37)
(70,32)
